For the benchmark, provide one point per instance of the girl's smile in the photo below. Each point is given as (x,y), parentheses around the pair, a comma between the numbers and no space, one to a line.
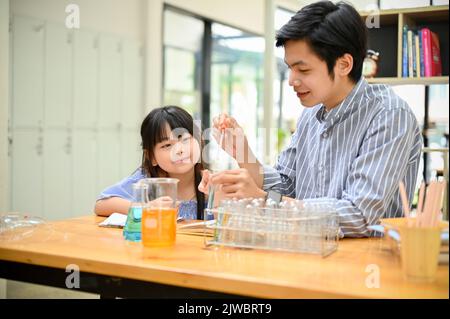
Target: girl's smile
(186,160)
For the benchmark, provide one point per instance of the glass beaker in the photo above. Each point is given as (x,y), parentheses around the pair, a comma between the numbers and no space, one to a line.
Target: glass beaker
(132,229)
(159,217)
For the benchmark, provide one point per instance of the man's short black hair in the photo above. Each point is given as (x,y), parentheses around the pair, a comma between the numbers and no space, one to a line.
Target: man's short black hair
(331,30)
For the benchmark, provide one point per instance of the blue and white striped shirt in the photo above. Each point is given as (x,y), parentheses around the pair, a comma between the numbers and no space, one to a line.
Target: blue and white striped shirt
(357,153)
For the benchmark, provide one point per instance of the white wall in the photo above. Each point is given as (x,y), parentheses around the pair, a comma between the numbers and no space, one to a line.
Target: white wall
(153,58)
(247,15)
(124,18)
(4,100)
(292,5)
(360,5)
(244,14)
(4,90)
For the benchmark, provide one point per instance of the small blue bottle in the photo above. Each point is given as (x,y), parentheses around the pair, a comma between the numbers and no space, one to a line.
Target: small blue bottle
(132,228)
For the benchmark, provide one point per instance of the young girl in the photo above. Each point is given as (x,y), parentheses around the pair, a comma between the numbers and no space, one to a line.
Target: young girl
(171,148)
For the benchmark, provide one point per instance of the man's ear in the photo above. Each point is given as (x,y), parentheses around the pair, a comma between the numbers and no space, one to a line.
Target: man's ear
(344,65)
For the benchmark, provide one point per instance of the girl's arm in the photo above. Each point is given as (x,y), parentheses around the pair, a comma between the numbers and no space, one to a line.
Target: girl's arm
(117,198)
(107,206)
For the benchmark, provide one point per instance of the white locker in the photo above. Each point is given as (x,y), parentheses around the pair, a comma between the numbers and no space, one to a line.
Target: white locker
(26,178)
(85,172)
(132,106)
(28,72)
(57,174)
(108,158)
(85,86)
(77,105)
(110,82)
(58,76)
(131,152)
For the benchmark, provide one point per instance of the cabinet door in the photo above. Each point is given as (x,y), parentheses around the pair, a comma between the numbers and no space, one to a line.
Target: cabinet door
(58,76)
(108,158)
(131,152)
(132,105)
(26,177)
(110,81)
(27,72)
(85,86)
(57,174)
(84,172)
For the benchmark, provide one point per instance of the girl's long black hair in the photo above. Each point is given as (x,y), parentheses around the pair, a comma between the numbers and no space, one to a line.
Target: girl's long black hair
(153,131)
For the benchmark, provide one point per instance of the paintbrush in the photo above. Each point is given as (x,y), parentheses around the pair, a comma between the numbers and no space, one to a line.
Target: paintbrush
(420,204)
(405,202)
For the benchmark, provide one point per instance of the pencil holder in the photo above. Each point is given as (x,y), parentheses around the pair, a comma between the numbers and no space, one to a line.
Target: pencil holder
(419,248)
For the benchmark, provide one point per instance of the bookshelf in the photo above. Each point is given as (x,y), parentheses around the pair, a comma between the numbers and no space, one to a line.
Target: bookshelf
(399,80)
(387,39)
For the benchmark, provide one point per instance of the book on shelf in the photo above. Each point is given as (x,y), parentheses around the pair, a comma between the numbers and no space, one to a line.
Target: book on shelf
(421,56)
(410,55)
(414,56)
(432,55)
(405,52)
(422,68)
(417,56)
(426,52)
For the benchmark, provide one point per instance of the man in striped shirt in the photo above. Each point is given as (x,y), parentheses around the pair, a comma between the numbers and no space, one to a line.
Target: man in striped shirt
(354,142)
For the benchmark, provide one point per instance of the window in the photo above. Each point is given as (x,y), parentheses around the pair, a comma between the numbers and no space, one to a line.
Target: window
(288,108)
(237,72)
(438,114)
(183,36)
(437,133)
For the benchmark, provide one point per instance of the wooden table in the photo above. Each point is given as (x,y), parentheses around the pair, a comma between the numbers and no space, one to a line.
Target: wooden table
(111,266)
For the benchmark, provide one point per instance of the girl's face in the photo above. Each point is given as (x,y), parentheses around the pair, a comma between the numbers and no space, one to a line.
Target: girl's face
(178,153)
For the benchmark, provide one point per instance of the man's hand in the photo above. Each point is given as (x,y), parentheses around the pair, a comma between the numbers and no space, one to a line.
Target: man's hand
(234,142)
(235,183)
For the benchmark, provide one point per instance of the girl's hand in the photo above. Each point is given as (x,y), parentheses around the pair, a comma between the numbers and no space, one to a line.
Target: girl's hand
(204,183)
(164,201)
(204,188)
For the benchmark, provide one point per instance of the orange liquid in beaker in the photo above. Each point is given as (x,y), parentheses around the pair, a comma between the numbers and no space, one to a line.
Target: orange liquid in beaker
(159,226)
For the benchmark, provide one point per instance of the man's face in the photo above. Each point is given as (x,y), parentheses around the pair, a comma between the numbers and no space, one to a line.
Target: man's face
(308,74)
